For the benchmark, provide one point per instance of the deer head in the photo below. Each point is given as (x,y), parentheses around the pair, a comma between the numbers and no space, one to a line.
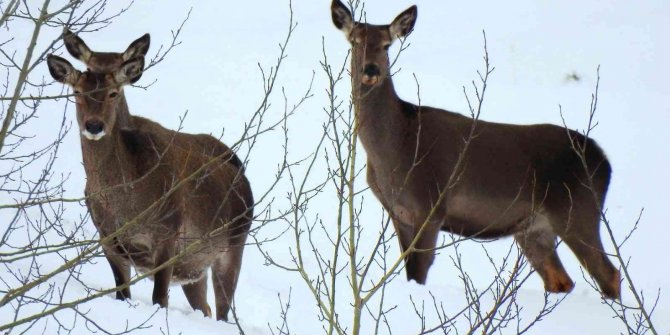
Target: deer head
(98,95)
(104,62)
(370,43)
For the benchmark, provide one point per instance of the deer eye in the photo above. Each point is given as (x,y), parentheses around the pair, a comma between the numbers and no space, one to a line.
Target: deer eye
(77,92)
(113,94)
(387,46)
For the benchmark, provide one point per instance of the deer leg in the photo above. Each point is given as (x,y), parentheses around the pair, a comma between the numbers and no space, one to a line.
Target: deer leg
(590,253)
(583,238)
(424,250)
(162,277)
(196,294)
(113,252)
(225,271)
(120,268)
(405,237)
(121,271)
(538,244)
(418,262)
(579,227)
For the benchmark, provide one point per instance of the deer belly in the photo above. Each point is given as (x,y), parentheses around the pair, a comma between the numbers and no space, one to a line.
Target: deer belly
(186,273)
(186,270)
(191,268)
(181,274)
(138,250)
(479,216)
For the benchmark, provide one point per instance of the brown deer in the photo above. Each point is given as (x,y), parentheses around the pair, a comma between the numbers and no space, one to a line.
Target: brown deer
(525,181)
(170,188)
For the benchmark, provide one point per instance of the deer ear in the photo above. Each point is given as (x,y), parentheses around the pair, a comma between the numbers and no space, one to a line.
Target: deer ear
(342,17)
(138,48)
(61,70)
(76,46)
(403,23)
(130,71)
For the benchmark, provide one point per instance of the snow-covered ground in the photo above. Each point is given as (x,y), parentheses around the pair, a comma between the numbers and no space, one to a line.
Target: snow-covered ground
(534,46)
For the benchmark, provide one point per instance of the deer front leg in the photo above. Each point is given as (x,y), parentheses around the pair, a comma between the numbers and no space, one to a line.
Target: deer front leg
(121,272)
(409,230)
(162,277)
(416,263)
(423,254)
(113,251)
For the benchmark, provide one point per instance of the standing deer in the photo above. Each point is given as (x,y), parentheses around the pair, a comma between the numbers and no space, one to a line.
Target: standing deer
(525,181)
(163,189)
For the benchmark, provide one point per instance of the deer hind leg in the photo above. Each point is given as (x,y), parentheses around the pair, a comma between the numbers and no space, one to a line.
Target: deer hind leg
(196,294)
(538,244)
(580,230)
(225,271)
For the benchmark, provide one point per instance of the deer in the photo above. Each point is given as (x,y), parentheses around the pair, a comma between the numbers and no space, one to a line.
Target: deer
(527,181)
(152,190)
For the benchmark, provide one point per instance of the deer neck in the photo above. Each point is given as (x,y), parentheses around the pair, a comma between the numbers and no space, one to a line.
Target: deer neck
(106,161)
(381,119)
(123,117)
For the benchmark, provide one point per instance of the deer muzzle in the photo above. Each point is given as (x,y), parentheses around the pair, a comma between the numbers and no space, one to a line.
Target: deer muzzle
(93,130)
(370,74)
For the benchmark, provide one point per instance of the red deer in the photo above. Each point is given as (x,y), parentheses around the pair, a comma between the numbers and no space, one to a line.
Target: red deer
(520,180)
(132,165)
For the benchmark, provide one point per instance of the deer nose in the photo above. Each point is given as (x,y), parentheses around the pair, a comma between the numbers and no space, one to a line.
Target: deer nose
(94,127)
(371,70)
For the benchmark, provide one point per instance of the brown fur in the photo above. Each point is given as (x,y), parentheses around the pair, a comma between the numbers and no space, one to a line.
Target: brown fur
(133,166)
(525,181)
